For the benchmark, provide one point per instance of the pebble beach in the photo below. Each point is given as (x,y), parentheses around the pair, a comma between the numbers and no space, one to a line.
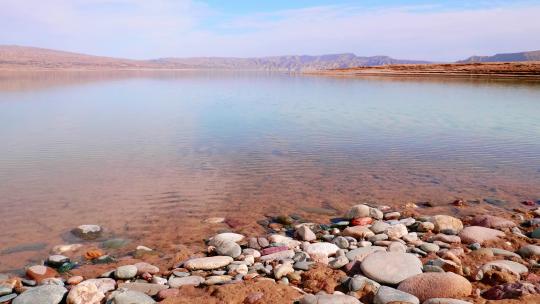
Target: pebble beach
(372,254)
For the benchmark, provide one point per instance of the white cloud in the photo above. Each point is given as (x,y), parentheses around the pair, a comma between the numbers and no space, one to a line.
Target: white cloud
(143,29)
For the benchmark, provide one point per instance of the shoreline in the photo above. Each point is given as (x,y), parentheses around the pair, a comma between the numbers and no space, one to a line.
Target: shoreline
(373,254)
(514,71)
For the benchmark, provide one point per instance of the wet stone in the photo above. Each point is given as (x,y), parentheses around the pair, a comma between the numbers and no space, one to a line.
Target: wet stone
(88,232)
(115,243)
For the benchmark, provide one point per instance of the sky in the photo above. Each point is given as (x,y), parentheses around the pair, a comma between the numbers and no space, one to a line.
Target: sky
(143,29)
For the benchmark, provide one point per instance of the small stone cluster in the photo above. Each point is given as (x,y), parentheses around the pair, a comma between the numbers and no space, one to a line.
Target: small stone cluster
(372,255)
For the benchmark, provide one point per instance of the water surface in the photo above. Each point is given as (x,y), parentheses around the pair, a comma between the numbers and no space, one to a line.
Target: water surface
(150,155)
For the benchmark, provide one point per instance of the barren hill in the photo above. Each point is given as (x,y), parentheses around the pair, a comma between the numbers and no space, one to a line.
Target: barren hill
(505,57)
(19,57)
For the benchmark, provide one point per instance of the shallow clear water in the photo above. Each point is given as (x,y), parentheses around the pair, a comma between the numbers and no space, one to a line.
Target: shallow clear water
(149,155)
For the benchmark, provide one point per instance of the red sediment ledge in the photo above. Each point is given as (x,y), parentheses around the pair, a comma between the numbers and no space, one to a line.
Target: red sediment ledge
(525,70)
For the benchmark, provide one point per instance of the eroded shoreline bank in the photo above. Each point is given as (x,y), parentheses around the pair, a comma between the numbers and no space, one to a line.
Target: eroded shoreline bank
(520,71)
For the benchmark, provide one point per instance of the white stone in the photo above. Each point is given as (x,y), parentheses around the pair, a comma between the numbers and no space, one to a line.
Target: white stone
(208,263)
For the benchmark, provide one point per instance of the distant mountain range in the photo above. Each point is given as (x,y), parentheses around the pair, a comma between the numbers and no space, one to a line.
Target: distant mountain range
(29,57)
(505,57)
(21,57)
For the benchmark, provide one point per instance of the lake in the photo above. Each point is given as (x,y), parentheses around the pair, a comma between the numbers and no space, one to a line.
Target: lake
(150,155)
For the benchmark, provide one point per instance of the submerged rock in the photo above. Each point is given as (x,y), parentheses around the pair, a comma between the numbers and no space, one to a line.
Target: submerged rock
(88,232)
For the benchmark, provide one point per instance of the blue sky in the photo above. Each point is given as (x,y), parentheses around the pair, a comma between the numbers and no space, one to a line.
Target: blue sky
(415,29)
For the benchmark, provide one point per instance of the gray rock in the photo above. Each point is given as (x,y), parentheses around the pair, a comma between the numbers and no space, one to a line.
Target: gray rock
(387,295)
(28,282)
(502,265)
(57,260)
(147,288)
(329,299)
(88,232)
(193,280)
(528,251)
(397,247)
(396,231)
(4,290)
(410,237)
(475,246)
(252,243)
(445,301)
(419,251)
(506,253)
(125,272)
(341,242)
(263,242)
(408,221)
(208,263)
(300,256)
(282,255)
(8,297)
(391,267)
(432,268)
(338,262)
(44,294)
(379,227)
(360,254)
(358,282)
(305,233)
(429,247)
(302,265)
(228,248)
(378,237)
(131,297)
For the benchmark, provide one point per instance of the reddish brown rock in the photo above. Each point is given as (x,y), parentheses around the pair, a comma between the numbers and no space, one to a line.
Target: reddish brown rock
(40,272)
(436,285)
(479,234)
(491,221)
(362,221)
(271,250)
(358,232)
